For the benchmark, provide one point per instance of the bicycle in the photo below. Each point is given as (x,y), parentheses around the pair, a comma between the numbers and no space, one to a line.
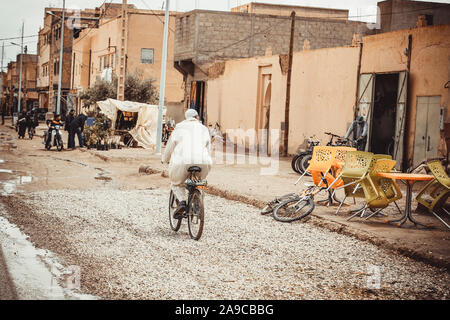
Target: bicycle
(195,212)
(301,206)
(292,206)
(340,141)
(268,208)
(300,161)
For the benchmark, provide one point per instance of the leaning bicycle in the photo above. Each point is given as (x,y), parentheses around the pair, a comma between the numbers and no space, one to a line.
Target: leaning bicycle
(195,212)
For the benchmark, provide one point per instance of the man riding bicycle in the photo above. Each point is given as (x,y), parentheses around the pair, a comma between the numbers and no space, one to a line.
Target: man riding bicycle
(189,145)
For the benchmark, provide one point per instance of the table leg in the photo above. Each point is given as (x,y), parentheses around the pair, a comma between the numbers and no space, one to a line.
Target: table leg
(404,217)
(409,213)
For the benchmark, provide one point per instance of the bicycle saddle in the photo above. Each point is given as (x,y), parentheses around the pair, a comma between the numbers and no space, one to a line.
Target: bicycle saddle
(195,169)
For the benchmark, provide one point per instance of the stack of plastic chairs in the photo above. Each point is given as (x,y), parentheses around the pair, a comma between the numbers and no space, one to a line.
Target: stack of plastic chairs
(386,189)
(353,173)
(437,189)
(320,165)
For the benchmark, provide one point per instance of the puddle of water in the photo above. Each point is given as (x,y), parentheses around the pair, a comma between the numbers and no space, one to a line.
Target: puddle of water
(35,272)
(10,186)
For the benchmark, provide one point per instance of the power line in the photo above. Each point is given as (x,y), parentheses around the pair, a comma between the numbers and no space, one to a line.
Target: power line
(14,38)
(156,15)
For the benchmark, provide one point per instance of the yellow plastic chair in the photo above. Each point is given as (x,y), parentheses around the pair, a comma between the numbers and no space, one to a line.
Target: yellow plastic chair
(354,171)
(388,189)
(337,165)
(438,190)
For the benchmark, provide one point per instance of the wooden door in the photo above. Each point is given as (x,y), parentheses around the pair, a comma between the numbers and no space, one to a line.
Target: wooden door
(426,137)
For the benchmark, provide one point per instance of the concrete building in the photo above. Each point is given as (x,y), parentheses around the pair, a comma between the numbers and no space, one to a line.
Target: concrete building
(398,80)
(285,10)
(29,83)
(48,50)
(204,38)
(404,14)
(96,51)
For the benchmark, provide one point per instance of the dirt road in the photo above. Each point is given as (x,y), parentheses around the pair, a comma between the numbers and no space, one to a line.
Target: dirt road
(112,222)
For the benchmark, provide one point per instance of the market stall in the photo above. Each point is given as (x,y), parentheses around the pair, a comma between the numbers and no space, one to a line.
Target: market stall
(145,130)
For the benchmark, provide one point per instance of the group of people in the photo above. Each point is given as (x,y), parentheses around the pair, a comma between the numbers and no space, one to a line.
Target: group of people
(73,125)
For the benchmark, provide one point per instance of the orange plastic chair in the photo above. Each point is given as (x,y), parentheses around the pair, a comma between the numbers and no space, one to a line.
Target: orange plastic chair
(321,164)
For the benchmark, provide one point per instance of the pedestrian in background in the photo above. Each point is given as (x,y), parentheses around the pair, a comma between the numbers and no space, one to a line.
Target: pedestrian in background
(69,118)
(22,125)
(76,127)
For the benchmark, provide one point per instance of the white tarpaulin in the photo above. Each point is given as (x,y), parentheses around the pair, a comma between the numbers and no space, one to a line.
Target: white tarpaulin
(147,122)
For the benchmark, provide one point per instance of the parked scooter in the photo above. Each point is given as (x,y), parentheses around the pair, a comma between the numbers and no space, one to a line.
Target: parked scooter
(55,140)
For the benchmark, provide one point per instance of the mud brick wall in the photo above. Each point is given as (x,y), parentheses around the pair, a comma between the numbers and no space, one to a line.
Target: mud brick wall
(207,36)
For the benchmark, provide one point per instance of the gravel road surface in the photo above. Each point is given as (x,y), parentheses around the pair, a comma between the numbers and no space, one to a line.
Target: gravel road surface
(123,243)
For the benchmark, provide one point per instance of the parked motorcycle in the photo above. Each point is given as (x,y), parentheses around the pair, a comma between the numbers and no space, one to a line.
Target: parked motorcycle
(55,140)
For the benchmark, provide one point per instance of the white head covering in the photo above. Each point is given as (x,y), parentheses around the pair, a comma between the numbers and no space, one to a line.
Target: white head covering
(191,113)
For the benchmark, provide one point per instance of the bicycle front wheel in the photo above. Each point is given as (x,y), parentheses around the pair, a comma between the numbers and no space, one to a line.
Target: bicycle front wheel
(175,224)
(196,215)
(293,209)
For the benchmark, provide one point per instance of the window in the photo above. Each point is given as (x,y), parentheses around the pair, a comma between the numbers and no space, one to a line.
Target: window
(99,63)
(147,56)
(112,61)
(429,18)
(105,62)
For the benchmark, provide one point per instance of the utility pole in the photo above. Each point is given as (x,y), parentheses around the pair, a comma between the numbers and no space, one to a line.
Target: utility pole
(61,54)
(123,53)
(162,83)
(1,80)
(20,75)
(288,88)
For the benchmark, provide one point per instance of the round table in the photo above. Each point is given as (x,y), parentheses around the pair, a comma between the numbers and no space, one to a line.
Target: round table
(408,179)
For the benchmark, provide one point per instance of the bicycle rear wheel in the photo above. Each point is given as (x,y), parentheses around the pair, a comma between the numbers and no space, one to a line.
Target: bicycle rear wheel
(293,163)
(196,215)
(175,224)
(293,209)
(303,163)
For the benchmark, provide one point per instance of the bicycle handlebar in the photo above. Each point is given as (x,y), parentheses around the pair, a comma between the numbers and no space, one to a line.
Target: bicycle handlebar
(332,134)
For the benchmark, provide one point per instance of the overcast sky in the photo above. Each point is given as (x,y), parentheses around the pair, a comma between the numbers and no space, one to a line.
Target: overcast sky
(13,13)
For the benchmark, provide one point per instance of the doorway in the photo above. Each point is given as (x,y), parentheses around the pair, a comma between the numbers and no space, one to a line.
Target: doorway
(384,114)
(263,106)
(426,138)
(197,98)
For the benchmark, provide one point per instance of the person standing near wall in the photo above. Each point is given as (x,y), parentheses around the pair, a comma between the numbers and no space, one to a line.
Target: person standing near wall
(76,127)
(359,129)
